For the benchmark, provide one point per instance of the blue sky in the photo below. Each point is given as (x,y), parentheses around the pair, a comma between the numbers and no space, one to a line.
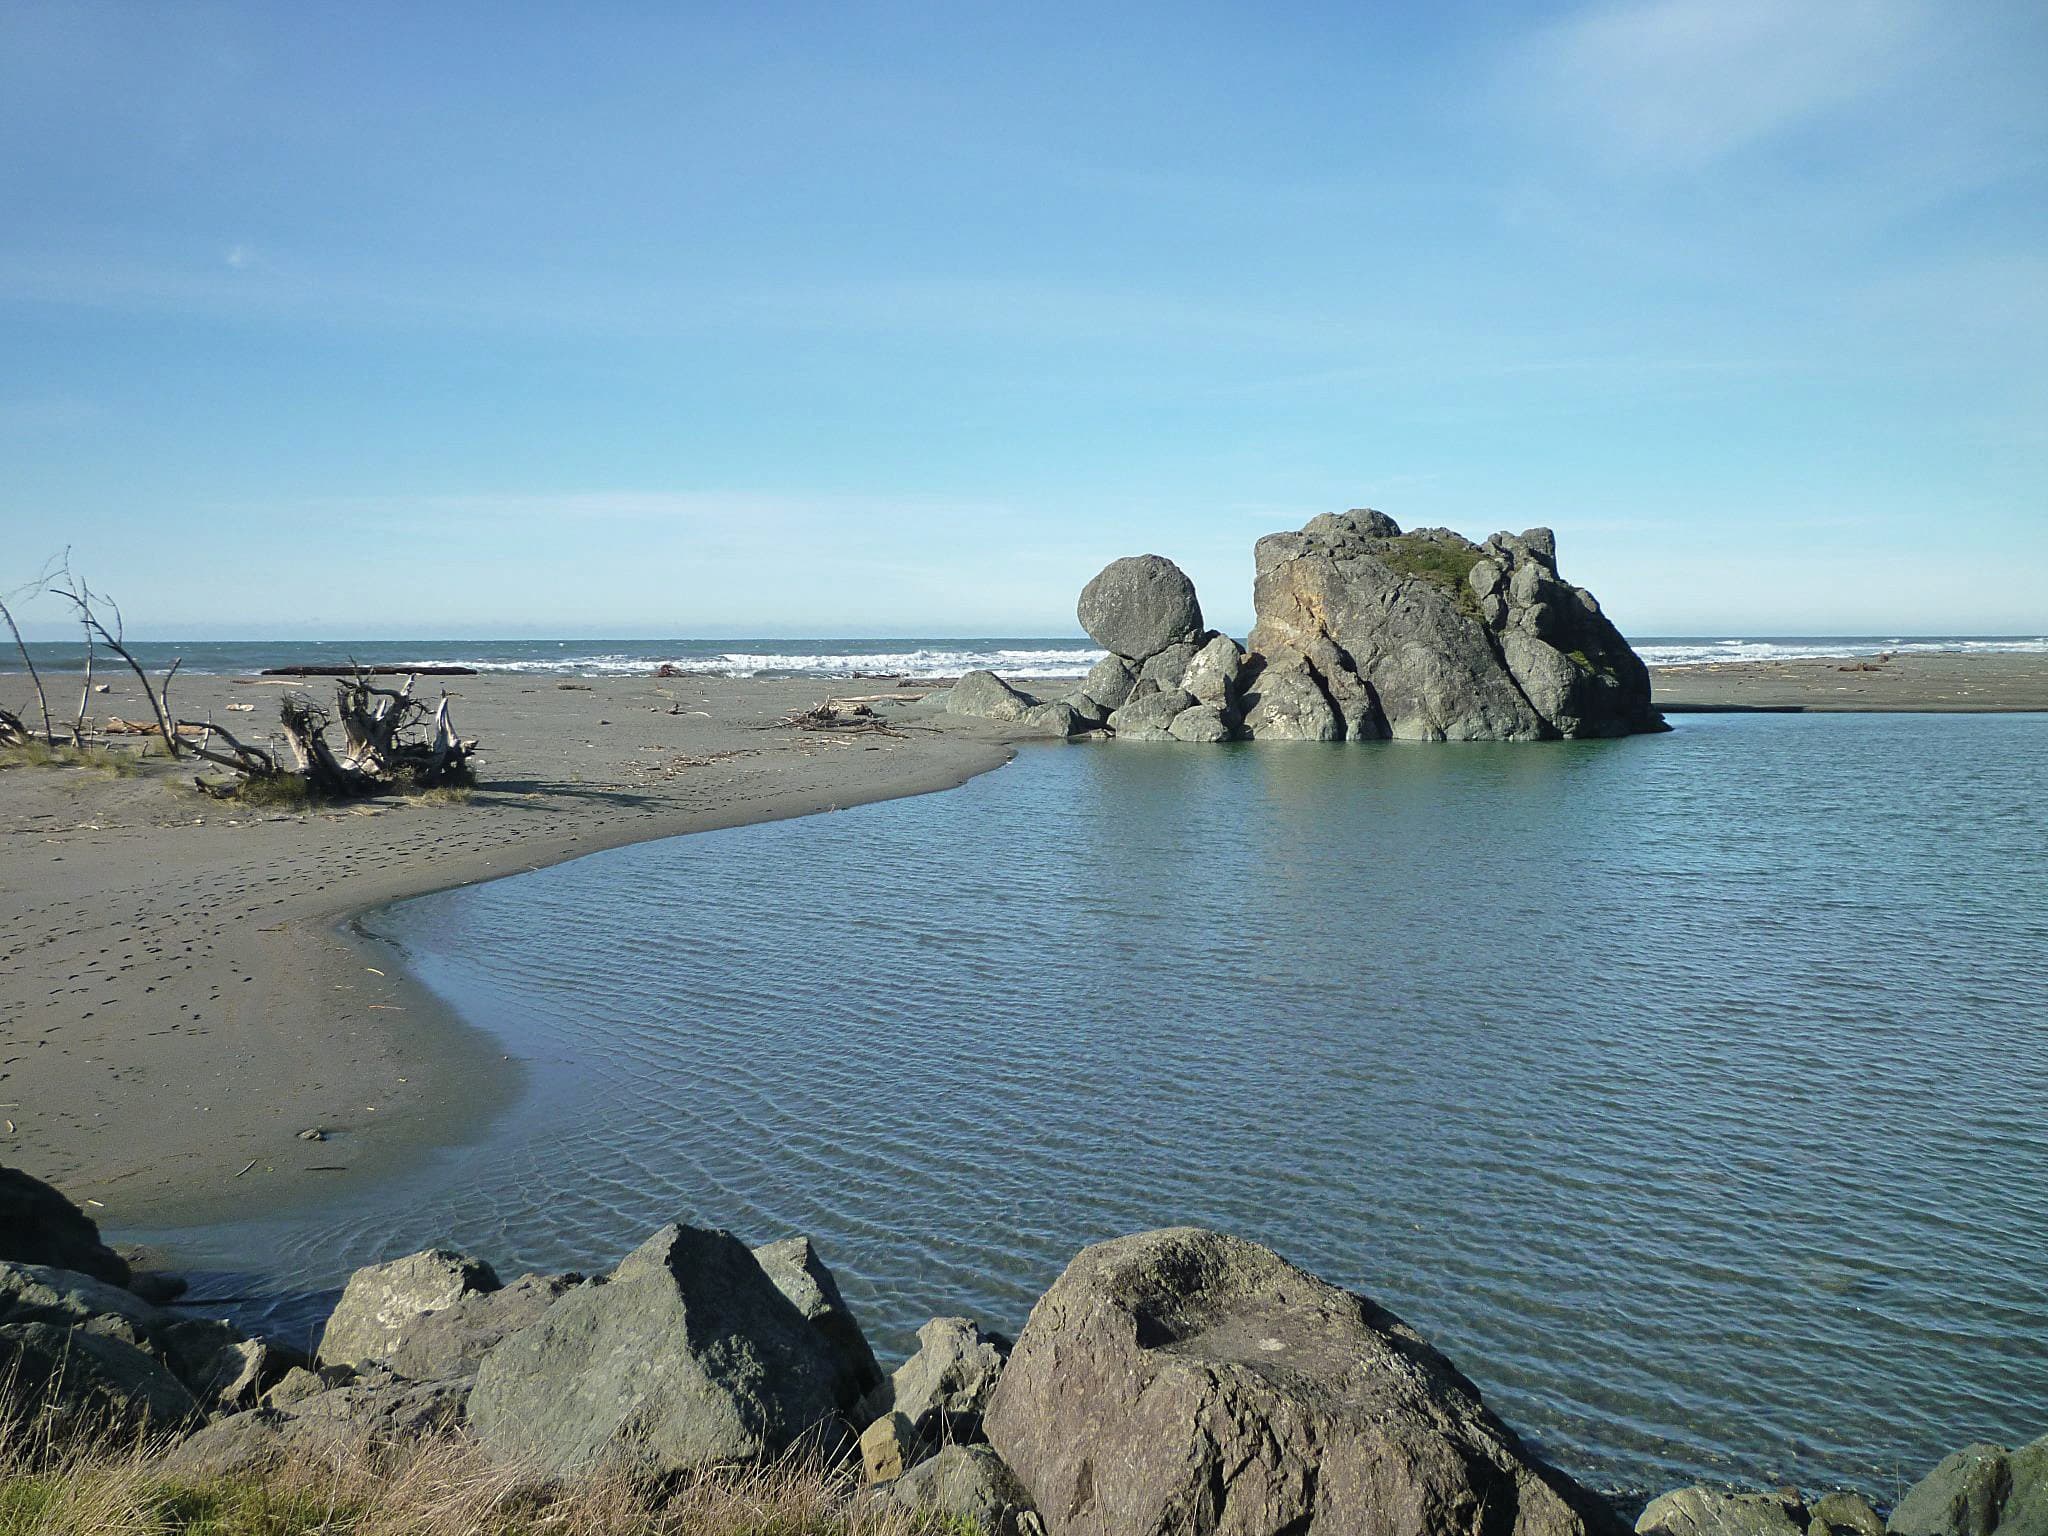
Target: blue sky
(695,320)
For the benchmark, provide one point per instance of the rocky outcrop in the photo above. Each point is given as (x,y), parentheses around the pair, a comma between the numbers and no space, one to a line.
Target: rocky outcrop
(1166,678)
(40,1226)
(1183,1381)
(1364,632)
(1427,636)
(687,1357)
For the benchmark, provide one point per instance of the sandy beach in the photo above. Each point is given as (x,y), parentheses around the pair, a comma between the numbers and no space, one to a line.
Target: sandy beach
(181,997)
(1941,682)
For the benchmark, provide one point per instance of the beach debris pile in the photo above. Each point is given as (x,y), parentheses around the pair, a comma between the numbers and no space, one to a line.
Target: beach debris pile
(852,715)
(1226,1389)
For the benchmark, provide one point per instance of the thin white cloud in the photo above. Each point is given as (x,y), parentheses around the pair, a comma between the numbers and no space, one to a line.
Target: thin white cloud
(1675,85)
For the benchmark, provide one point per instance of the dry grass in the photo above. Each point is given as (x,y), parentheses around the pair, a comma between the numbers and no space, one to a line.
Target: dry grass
(434,1487)
(36,754)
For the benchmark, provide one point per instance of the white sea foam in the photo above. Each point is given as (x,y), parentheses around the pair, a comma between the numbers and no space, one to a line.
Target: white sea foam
(925,662)
(1700,652)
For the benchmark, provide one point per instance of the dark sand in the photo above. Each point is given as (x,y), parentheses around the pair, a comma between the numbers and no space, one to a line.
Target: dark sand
(180,997)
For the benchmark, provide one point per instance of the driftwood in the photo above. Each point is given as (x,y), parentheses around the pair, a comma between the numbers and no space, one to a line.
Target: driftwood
(839,715)
(390,740)
(12,731)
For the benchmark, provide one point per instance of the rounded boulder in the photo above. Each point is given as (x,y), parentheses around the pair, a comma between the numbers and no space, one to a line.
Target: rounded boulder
(1139,605)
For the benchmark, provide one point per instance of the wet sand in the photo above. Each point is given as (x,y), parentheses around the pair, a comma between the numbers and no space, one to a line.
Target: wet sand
(1950,682)
(180,996)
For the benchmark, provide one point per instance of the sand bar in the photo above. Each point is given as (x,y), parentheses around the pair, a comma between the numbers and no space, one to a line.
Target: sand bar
(179,998)
(1944,682)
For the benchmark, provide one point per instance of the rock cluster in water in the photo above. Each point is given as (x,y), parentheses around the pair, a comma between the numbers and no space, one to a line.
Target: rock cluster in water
(1362,633)
(1178,1381)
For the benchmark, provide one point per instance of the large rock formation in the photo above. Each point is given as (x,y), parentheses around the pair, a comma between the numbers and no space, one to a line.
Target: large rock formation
(1187,1382)
(1427,636)
(1362,633)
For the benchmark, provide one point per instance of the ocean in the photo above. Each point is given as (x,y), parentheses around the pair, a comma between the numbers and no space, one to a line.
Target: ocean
(1687,1090)
(903,656)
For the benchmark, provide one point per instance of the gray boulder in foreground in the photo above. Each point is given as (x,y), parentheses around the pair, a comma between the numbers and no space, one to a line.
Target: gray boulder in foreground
(1138,606)
(687,1357)
(1979,1491)
(1427,636)
(943,1390)
(1704,1511)
(968,1487)
(382,1302)
(1150,716)
(797,1271)
(452,1340)
(1186,1382)
(40,1226)
(78,1380)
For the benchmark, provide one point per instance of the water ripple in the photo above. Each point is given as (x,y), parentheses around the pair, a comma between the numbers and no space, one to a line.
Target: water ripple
(1690,1091)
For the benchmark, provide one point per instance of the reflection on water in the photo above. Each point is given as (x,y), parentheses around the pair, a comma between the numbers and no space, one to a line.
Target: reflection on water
(1690,1091)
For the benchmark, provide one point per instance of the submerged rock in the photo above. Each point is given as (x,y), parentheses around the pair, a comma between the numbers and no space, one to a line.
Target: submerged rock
(1187,1382)
(687,1357)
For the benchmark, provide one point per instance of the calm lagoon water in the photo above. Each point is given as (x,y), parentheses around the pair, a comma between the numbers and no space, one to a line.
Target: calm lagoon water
(1690,1091)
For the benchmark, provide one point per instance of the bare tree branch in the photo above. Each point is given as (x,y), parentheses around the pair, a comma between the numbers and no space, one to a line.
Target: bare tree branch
(33,676)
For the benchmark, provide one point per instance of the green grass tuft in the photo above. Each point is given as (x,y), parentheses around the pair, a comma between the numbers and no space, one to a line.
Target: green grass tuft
(1445,562)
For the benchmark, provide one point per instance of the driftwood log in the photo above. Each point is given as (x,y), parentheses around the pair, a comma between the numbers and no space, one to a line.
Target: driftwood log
(390,740)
